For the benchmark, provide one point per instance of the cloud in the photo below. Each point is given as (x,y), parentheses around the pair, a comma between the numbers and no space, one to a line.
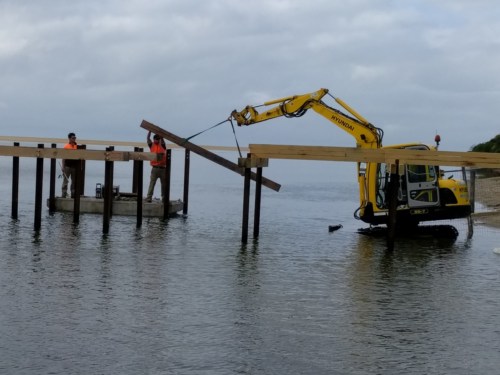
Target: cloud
(100,67)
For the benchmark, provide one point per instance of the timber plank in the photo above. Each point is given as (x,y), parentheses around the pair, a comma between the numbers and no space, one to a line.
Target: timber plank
(105,143)
(61,153)
(206,154)
(382,155)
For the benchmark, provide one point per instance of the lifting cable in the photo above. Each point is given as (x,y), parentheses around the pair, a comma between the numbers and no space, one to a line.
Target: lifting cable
(236,139)
(213,126)
(203,131)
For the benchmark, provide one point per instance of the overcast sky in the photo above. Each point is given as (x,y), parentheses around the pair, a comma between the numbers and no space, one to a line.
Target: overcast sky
(99,67)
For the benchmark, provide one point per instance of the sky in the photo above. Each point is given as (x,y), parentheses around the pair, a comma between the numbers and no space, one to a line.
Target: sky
(99,67)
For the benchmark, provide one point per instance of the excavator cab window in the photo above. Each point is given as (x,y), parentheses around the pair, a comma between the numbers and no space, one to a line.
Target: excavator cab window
(422,183)
(421,173)
(382,185)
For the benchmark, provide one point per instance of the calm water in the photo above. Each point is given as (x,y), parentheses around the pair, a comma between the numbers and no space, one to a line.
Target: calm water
(186,297)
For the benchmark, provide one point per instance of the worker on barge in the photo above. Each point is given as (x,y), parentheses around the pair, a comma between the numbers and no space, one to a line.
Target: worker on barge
(158,167)
(69,167)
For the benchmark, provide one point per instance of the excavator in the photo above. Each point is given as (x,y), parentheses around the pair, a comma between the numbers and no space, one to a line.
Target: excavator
(423,194)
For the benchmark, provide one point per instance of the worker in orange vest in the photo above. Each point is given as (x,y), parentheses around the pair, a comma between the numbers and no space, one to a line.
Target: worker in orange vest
(158,167)
(69,167)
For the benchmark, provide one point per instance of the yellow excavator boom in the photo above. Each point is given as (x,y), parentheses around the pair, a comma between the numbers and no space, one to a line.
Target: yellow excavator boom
(366,134)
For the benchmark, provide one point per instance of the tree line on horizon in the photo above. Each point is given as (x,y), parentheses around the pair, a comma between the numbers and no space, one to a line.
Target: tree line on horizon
(493,145)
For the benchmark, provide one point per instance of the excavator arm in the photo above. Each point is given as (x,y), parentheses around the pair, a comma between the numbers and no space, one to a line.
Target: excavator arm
(366,134)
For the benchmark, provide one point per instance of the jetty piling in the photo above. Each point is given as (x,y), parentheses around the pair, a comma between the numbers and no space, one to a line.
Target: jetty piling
(472,193)
(77,193)
(138,183)
(82,170)
(247,164)
(108,193)
(258,192)
(393,204)
(134,173)
(185,197)
(15,185)
(52,183)
(246,206)
(166,193)
(38,191)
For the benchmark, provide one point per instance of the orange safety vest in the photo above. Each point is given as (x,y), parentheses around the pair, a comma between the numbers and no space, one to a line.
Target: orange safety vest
(70,162)
(69,145)
(158,149)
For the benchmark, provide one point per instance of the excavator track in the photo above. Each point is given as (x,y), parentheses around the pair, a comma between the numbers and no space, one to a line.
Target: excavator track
(437,231)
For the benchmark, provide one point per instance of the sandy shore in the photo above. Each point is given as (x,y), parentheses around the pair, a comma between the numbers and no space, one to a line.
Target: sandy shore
(488,194)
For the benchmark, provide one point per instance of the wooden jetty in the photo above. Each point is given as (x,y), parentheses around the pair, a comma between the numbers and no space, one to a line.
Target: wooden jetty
(257,158)
(109,204)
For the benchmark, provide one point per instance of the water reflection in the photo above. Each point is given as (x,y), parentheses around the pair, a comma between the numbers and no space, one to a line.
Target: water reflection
(185,296)
(373,258)
(400,297)
(248,311)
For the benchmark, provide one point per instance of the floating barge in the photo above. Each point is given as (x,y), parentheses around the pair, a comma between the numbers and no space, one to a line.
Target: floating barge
(126,206)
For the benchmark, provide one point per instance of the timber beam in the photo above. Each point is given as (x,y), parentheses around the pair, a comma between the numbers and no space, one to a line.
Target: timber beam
(61,153)
(95,142)
(206,154)
(381,155)
(253,162)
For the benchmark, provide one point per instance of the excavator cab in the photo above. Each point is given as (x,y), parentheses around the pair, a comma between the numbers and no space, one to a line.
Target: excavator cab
(422,194)
(418,185)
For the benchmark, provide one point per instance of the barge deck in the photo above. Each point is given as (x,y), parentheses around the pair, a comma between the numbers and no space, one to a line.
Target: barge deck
(127,207)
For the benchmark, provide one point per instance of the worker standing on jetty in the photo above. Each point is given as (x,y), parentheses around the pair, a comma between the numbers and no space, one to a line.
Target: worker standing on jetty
(69,167)
(158,167)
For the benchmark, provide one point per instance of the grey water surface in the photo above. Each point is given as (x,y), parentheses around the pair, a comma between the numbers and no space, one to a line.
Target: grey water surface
(187,297)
